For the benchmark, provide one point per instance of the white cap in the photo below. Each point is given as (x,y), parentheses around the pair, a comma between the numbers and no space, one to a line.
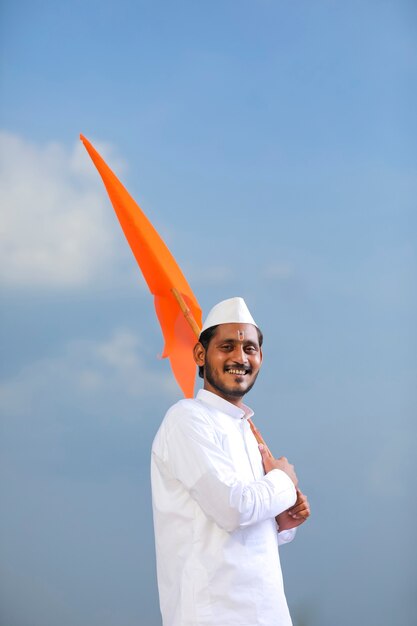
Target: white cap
(233,310)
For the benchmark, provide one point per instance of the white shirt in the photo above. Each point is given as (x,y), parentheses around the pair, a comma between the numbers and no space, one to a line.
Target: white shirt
(214,518)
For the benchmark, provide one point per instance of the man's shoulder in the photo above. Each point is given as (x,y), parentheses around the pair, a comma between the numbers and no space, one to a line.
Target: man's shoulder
(184,409)
(185,413)
(185,404)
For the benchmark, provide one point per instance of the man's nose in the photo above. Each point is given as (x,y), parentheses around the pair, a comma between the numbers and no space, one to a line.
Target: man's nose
(239,355)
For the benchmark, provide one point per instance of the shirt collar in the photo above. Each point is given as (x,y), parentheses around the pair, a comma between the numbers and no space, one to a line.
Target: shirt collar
(223,405)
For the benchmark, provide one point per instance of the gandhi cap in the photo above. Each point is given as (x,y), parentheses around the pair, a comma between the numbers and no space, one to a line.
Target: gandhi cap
(233,310)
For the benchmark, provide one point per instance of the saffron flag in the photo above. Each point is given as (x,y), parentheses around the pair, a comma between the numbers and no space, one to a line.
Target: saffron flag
(162,274)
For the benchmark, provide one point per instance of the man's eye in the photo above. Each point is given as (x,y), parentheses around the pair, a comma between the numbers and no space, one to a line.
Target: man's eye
(251,349)
(226,346)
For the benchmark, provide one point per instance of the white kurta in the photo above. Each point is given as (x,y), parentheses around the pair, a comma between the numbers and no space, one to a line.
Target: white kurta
(214,517)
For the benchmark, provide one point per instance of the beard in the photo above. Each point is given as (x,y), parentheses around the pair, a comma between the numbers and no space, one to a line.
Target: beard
(225,391)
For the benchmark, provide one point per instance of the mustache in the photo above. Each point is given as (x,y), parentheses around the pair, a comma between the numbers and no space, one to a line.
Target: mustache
(246,368)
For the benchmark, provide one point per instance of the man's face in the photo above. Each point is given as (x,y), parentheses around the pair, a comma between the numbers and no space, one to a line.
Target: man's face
(232,361)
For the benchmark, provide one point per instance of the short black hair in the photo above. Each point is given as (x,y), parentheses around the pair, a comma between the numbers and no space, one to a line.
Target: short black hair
(207,335)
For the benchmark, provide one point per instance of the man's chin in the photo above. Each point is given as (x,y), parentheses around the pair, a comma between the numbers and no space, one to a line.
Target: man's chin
(238,389)
(234,387)
(236,392)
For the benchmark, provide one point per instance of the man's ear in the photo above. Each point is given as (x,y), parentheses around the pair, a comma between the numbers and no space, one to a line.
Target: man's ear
(199,354)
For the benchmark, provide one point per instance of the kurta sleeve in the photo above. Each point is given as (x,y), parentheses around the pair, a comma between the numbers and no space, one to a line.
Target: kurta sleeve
(286,536)
(196,457)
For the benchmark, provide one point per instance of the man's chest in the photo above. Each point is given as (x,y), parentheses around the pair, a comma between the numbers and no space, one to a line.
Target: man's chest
(241,447)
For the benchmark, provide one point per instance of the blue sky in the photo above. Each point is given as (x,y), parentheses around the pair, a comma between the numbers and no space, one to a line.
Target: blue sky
(272,143)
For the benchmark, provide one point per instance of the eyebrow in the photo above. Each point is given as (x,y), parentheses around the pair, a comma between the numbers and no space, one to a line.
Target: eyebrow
(234,340)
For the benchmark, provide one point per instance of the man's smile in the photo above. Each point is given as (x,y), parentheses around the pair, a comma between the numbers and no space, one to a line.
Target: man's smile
(237,371)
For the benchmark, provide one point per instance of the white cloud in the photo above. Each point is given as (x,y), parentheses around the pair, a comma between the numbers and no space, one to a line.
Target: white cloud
(57,227)
(92,375)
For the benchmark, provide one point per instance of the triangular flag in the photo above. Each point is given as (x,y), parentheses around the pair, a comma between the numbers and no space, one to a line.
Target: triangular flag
(161,273)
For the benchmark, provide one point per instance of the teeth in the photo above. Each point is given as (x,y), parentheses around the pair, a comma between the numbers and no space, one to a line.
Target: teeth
(240,372)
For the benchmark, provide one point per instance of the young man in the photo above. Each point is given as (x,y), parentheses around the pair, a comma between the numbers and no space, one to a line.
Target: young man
(222,504)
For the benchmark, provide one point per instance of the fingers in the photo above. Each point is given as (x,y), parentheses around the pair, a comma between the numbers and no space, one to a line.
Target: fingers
(265,451)
(270,463)
(301,508)
(302,513)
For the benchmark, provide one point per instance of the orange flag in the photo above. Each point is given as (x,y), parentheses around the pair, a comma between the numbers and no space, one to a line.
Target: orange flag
(161,272)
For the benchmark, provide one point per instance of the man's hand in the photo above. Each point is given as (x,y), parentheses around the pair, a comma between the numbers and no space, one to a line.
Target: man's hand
(300,511)
(270,463)
(296,515)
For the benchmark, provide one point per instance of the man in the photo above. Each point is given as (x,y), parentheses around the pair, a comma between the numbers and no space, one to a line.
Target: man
(222,504)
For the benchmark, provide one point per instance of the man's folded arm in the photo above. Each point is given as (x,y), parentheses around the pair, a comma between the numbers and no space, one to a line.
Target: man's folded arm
(196,458)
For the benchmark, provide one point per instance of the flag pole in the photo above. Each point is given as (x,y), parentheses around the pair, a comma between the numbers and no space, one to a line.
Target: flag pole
(186,311)
(194,326)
